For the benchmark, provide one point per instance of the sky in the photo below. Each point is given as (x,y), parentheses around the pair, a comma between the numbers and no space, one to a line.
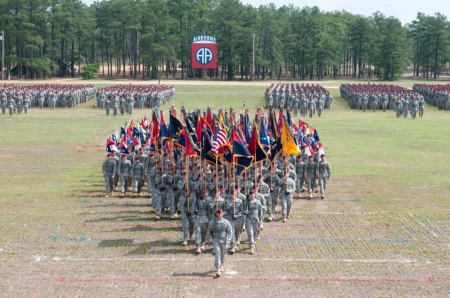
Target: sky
(404,10)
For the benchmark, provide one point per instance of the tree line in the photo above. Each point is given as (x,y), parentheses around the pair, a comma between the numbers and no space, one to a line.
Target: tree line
(152,38)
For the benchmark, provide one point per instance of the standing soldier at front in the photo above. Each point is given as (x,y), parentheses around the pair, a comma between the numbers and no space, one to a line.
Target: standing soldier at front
(109,170)
(107,105)
(11,105)
(3,102)
(220,229)
(115,104)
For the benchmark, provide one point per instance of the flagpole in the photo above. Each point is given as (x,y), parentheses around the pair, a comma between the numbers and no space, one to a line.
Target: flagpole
(187,181)
(217,175)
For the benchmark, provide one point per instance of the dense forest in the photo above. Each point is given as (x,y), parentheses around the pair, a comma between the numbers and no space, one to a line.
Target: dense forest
(152,38)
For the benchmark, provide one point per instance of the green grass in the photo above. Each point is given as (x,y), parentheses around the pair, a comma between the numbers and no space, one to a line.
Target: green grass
(390,164)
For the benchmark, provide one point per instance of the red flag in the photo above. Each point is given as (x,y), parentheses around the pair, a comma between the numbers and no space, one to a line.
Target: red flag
(200,125)
(186,141)
(155,126)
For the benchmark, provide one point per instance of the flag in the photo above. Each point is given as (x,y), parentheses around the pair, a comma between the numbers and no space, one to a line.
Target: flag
(288,144)
(288,118)
(114,138)
(242,157)
(273,124)
(201,124)
(164,130)
(254,147)
(175,126)
(155,126)
(220,139)
(186,142)
(264,139)
(226,125)
(316,135)
(122,132)
(110,145)
(321,151)
(191,128)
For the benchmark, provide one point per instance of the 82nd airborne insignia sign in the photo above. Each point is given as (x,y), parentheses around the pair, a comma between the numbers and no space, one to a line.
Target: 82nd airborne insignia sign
(204,52)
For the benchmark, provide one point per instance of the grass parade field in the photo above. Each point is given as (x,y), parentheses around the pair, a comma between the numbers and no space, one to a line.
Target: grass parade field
(383,229)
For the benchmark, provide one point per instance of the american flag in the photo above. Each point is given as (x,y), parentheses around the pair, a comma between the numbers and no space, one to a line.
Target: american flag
(220,140)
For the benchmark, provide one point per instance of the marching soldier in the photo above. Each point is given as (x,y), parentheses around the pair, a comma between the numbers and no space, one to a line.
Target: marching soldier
(138,172)
(253,219)
(125,174)
(287,193)
(324,175)
(202,218)
(234,213)
(311,175)
(220,230)
(109,170)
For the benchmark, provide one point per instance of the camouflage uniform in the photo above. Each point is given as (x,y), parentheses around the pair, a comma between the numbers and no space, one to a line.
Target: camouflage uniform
(221,232)
(253,221)
(109,170)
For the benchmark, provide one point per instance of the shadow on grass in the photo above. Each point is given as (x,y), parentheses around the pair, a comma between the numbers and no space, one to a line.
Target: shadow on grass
(145,205)
(149,229)
(161,247)
(116,219)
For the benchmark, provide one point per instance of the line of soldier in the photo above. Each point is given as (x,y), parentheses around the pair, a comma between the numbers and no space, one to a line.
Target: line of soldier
(436,95)
(123,98)
(19,99)
(196,190)
(304,98)
(383,97)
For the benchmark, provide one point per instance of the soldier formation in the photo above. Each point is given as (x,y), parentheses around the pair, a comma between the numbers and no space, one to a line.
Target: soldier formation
(215,203)
(383,97)
(304,98)
(18,99)
(436,95)
(123,98)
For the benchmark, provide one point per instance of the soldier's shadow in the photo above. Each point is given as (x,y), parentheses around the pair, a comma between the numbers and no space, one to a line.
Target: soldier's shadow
(161,247)
(117,219)
(148,229)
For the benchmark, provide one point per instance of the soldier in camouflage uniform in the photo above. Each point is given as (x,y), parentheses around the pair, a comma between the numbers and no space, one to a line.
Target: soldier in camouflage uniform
(122,104)
(107,106)
(124,171)
(414,107)
(253,219)
(220,230)
(138,173)
(11,104)
(324,175)
(300,171)
(234,213)
(274,185)
(287,193)
(109,170)
(3,99)
(202,218)
(311,174)
(115,104)
(186,206)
